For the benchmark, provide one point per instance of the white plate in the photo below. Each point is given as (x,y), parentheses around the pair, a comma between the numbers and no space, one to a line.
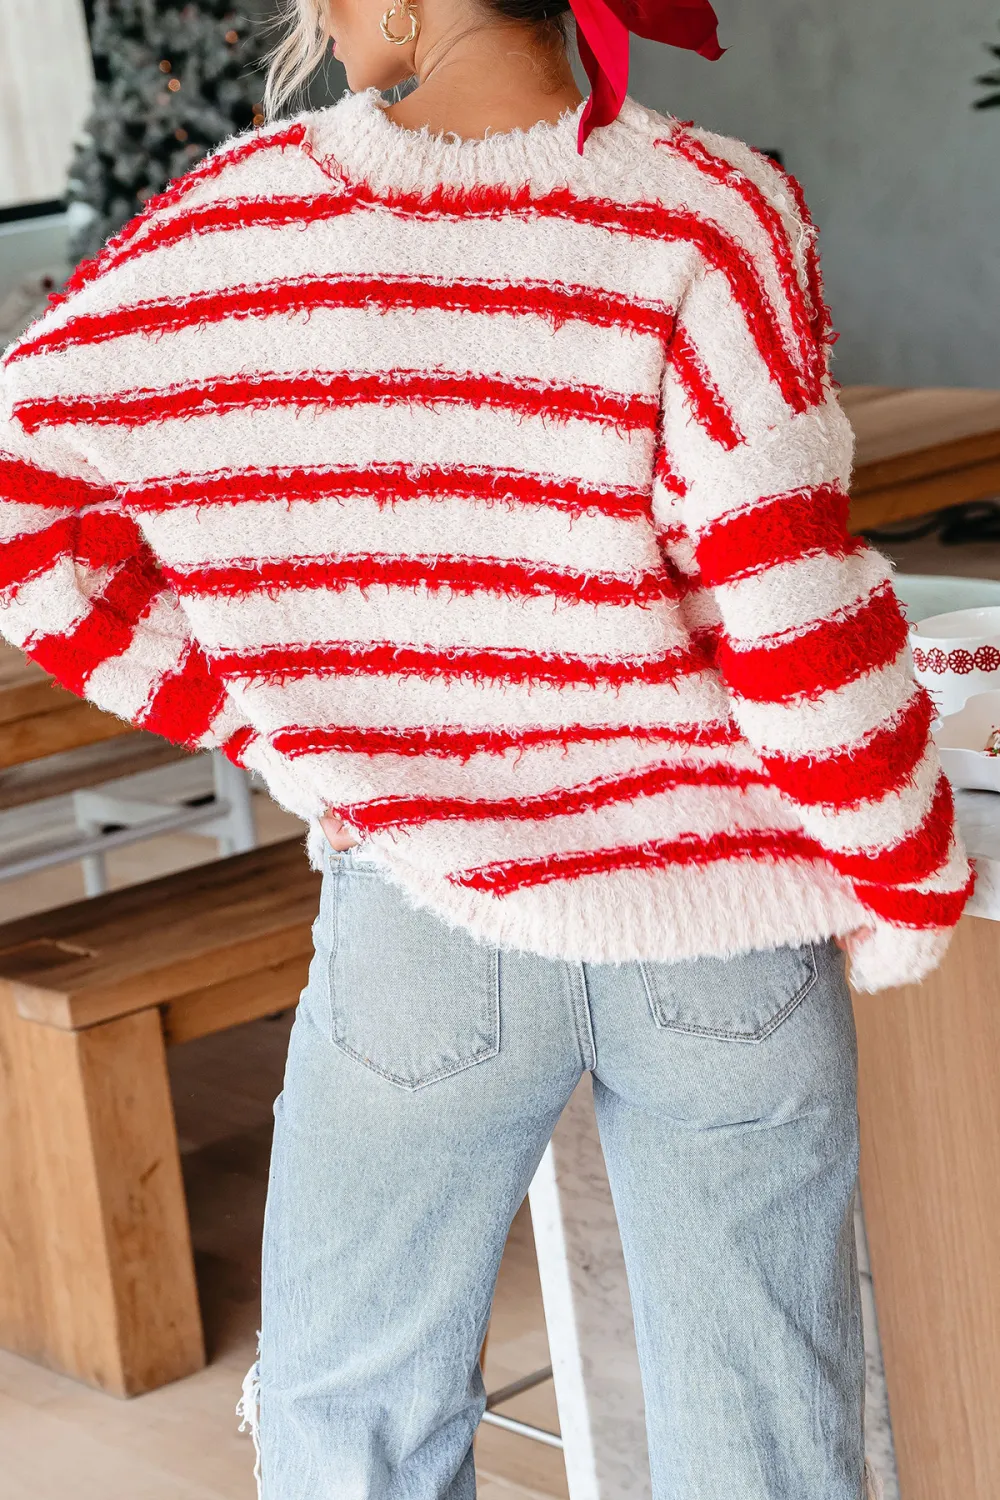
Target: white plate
(960,739)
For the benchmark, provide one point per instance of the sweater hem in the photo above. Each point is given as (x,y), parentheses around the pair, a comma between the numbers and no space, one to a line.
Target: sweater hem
(650,916)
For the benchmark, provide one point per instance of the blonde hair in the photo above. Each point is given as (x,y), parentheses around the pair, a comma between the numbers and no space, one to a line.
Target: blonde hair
(298,55)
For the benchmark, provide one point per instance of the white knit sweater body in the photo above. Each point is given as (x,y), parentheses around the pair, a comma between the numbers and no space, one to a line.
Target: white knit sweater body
(493,497)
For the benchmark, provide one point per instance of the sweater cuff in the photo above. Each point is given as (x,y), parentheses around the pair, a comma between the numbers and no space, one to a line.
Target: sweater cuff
(890,956)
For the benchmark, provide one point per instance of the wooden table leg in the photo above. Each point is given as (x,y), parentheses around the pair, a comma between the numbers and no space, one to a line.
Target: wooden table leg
(96,1271)
(930,1183)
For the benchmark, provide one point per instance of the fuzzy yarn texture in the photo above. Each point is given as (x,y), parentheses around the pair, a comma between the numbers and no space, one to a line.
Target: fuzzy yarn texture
(494,498)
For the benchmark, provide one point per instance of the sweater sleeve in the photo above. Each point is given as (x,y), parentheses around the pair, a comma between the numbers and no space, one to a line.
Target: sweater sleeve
(798,615)
(82,595)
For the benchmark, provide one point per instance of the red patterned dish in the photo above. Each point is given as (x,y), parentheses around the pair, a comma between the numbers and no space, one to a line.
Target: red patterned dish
(957,654)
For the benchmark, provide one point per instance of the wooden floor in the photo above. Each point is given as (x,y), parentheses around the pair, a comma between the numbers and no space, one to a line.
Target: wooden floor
(58,1438)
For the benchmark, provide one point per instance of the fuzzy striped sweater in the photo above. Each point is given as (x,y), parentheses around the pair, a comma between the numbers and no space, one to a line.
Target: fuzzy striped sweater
(493,497)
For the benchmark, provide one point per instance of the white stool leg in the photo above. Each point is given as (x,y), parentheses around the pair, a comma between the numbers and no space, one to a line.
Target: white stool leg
(95,873)
(588,1313)
(232,786)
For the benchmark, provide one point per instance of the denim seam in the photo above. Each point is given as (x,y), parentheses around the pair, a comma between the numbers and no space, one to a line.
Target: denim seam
(405,1083)
(580,1005)
(334,877)
(720,1034)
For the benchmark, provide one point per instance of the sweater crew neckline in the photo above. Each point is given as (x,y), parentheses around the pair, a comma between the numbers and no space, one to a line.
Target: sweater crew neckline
(357,137)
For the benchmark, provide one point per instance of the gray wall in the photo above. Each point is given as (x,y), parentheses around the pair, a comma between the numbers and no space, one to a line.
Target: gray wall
(869,102)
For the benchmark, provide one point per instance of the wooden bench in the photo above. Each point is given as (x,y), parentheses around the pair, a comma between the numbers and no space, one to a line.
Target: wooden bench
(69,771)
(38,719)
(96,1268)
(52,744)
(920,450)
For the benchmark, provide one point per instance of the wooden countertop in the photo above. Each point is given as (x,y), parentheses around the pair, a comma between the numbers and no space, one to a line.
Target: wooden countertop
(921,449)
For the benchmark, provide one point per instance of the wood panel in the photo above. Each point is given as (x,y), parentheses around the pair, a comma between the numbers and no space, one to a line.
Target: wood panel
(25,689)
(38,735)
(899,428)
(248,997)
(853,396)
(97,1274)
(23,1311)
(37,718)
(150,943)
(90,765)
(920,450)
(919,497)
(930,1176)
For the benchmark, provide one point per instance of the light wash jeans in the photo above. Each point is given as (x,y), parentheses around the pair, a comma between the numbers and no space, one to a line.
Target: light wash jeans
(425,1075)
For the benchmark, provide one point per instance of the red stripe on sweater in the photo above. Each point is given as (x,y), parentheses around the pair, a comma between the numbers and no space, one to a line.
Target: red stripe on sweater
(603,791)
(238,744)
(922,851)
(222,216)
(460,574)
(664,471)
(277,664)
(777,529)
(685,584)
(134,408)
(97,539)
(761,846)
(864,773)
(720,251)
(819,312)
(821,659)
(460,743)
(26,484)
(644,220)
(916,909)
(386,484)
(682,584)
(105,631)
(671,536)
(915,857)
(718,169)
(556,302)
(121,246)
(707,402)
(186,701)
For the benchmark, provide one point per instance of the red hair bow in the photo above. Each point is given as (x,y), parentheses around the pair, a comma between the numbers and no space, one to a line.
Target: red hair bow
(603,27)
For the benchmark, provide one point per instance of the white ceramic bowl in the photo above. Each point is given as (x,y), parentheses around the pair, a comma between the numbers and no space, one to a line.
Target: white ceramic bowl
(960,739)
(956,655)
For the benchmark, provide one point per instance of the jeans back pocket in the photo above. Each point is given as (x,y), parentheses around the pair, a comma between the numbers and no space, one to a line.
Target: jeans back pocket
(741,999)
(410,998)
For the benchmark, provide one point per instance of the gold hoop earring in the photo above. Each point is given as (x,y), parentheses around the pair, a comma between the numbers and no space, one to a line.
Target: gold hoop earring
(404,9)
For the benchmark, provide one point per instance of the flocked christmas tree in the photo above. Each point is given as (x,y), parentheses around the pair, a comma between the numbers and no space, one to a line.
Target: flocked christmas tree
(172,81)
(990,81)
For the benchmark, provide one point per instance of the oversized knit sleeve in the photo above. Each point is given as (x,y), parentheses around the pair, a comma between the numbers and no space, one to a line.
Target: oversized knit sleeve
(82,595)
(798,614)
